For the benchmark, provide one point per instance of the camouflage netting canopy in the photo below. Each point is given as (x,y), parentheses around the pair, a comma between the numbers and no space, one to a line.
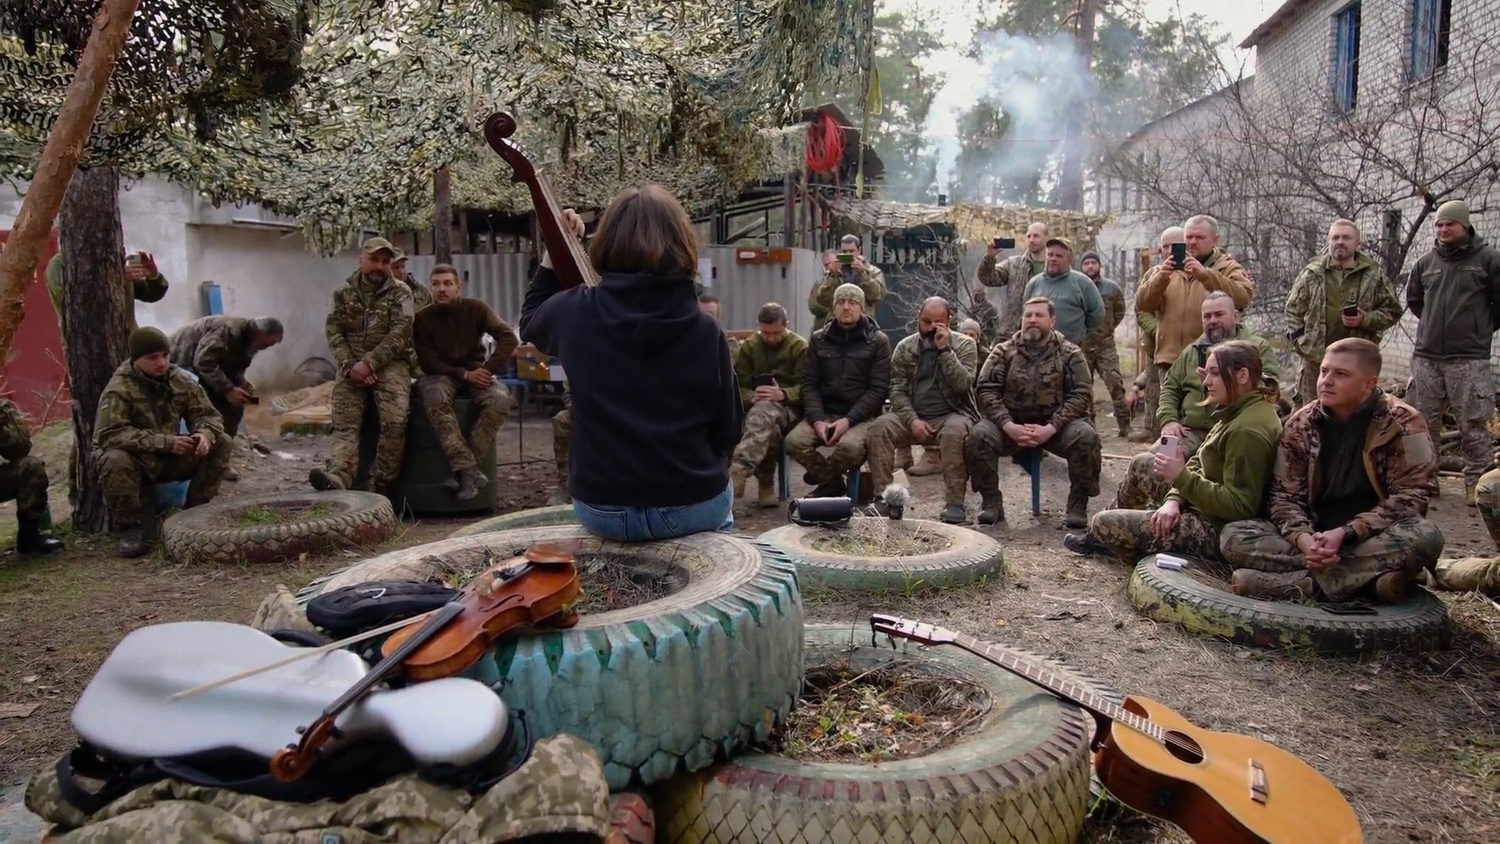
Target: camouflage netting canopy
(972,223)
(607,93)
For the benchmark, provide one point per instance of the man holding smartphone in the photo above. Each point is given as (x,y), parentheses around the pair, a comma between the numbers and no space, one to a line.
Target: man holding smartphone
(1340,293)
(769,366)
(1013,273)
(847,267)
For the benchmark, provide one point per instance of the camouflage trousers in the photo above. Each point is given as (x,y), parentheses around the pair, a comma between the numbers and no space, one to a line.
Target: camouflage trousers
(126,478)
(1128,535)
(1104,362)
(890,434)
(562,437)
(1307,381)
(1409,545)
(1487,499)
(1142,488)
(766,425)
(25,482)
(802,445)
(392,398)
(1078,443)
(1155,374)
(233,416)
(438,394)
(1467,388)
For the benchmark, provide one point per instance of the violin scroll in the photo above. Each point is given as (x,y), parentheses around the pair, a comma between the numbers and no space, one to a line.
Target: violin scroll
(291,763)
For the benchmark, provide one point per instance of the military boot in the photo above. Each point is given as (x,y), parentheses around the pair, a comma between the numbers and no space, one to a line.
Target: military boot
(1087,544)
(766,495)
(470,481)
(953,514)
(451,483)
(738,474)
(1393,587)
(31,540)
(991,508)
(1271,585)
(1078,509)
(132,544)
(323,480)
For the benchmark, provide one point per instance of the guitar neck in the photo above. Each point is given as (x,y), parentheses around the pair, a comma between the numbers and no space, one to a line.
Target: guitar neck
(1055,684)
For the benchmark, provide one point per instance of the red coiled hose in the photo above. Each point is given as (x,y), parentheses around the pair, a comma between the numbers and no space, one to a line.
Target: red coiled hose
(825,145)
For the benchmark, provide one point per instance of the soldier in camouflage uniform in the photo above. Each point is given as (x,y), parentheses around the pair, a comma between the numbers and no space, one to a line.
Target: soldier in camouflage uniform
(1181,412)
(869,278)
(137,441)
(23,478)
(932,403)
(1099,347)
(1451,292)
(562,435)
(1348,501)
(219,350)
(846,376)
(369,333)
(987,318)
(1013,274)
(1034,393)
(421,294)
(769,367)
(1224,481)
(448,337)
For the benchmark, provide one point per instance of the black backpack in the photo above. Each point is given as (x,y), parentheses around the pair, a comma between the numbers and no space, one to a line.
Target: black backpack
(351,610)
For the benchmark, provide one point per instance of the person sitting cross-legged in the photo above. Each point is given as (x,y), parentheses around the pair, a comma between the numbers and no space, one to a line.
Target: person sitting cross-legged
(448,336)
(769,368)
(137,440)
(1224,481)
(846,377)
(1034,392)
(1349,496)
(932,403)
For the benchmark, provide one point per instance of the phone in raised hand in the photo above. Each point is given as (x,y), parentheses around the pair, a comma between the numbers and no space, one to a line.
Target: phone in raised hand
(1170,446)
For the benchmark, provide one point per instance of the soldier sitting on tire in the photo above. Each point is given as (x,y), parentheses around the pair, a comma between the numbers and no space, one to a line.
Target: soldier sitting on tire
(1349,497)
(138,444)
(448,336)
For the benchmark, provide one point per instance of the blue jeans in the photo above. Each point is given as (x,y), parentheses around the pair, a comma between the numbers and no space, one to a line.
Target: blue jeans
(642,524)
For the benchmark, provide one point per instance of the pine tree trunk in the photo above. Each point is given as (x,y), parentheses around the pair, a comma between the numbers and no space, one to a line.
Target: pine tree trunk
(96,314)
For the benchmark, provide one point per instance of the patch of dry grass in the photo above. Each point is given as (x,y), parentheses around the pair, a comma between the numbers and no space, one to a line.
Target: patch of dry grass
(874,536)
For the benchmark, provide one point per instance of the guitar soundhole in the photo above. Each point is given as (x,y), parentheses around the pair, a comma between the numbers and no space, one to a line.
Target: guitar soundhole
(1183,748)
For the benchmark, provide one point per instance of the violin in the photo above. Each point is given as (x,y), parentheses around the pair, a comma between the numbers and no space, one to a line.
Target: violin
(569,261)
(529,590)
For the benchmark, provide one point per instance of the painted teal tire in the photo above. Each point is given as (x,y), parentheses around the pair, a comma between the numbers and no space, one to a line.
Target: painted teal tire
(666,686)
(970,557)
(561,514)
(1023,775)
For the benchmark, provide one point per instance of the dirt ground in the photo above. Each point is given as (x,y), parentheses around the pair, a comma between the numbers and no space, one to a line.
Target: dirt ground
(1412,739)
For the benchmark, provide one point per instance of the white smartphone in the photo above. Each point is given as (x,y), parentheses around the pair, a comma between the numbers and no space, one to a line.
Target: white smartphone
(1170,446)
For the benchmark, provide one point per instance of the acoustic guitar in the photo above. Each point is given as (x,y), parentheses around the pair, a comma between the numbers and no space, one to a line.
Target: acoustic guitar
(1218,787)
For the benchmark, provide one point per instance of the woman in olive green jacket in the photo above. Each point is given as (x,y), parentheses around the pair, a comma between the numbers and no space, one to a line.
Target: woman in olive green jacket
(1224,481)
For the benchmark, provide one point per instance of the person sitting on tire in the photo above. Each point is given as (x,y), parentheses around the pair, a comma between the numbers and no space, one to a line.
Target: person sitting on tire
(1224,481)
(1349,496)
(219,350)
(1181,410)
(137,441)
(846,377)
(657,413)
(932,404)
(1034,392)
(23,477)
(769,368)
(448,336)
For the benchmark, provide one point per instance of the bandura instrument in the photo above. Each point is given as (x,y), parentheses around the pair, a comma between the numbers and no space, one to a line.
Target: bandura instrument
(1220,788)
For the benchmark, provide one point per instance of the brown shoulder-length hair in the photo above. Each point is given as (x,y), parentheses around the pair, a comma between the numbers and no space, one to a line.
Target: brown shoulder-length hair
(1236,356)
(645,230)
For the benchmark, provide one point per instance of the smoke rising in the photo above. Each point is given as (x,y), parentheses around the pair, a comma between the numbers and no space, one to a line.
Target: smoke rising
(1030,81)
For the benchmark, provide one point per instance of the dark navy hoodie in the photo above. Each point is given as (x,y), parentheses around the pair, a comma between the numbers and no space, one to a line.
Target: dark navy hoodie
(656,406)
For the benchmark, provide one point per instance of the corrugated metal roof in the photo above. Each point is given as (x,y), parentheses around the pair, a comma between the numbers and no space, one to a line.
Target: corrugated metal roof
(971,222)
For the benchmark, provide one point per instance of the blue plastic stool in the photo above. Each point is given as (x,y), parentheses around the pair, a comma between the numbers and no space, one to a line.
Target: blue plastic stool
(1031,460)
(172,495)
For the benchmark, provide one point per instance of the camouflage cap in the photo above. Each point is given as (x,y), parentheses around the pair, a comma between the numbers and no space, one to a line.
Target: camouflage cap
(375,244)
(1060,241)
(399,258)
(849,291)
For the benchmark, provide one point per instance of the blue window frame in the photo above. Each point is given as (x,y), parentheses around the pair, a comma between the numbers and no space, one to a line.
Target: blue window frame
(1346,57)
(1429,36)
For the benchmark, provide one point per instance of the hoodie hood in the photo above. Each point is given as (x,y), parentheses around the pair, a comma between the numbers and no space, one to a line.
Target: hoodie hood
(1450,252)
(645,313)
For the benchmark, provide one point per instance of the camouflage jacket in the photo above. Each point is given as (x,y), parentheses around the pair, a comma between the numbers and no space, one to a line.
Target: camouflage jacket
(1182,390)
(1176,299)
(1017,269)
(871,280)
(1308,320)
(1225,479)
(1398,458)
(15,434)
(1103,336)
(215,348)
(1049,384)
(371,324)
(140,414)
(847,373)
(987,315)
(145,290)
(955,371)
(421,294)
(785,362)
